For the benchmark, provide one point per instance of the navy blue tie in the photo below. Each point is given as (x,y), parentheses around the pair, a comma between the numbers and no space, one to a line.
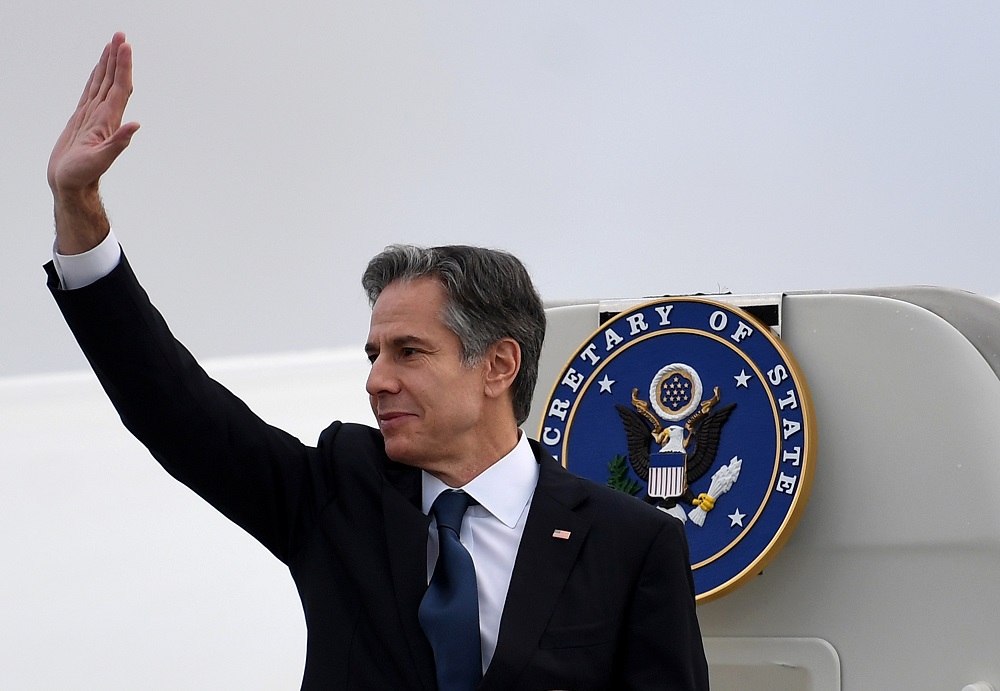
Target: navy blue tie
(449,612)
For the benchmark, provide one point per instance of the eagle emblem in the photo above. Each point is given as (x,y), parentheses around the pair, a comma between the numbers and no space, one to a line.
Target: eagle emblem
(684,452)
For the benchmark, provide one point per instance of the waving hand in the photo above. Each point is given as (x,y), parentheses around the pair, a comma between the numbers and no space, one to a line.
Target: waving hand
(90,143)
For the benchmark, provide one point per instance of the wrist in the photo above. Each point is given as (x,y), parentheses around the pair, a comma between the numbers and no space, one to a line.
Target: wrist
(81,222)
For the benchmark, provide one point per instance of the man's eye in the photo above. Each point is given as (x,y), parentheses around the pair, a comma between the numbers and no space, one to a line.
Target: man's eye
(407,352)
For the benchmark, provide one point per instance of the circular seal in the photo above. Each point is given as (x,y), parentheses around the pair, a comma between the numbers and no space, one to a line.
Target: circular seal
(725,440)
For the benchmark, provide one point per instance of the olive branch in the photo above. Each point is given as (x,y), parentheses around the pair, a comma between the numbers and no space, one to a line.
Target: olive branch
(618,476)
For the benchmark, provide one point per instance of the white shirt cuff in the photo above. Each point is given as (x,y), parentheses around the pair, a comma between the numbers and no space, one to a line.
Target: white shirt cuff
(80,270)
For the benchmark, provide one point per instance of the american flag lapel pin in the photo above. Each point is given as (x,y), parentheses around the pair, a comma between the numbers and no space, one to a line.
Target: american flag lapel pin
(561,534)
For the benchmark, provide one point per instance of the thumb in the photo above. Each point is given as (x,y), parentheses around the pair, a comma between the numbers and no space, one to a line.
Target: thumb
(121,138)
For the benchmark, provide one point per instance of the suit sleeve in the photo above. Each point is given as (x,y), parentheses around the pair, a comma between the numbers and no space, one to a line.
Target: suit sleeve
(203,435)
(662,647)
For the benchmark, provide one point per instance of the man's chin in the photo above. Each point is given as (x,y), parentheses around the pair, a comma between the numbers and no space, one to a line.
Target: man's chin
(401,452)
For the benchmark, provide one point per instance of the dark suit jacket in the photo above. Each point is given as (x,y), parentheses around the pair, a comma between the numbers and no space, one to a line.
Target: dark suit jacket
(612,607)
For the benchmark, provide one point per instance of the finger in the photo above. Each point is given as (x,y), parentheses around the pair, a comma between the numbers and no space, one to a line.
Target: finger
(100,70)
(113,103)
(123,71)
(93,74)
(108,78)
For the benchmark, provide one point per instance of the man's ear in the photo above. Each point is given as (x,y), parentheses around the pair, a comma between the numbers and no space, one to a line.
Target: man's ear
(503,362)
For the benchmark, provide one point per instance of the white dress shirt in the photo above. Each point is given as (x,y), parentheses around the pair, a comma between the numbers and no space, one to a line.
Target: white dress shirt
(491,530)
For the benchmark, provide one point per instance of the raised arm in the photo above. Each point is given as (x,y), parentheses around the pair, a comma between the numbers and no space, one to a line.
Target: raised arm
(90,143)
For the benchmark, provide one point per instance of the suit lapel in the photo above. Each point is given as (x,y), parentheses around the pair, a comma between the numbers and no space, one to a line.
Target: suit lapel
(541,569)
(406,539)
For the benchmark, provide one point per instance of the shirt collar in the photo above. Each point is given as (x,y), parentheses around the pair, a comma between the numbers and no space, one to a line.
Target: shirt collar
(503,489)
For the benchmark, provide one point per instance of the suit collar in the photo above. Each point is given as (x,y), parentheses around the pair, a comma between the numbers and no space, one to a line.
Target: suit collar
(543,565)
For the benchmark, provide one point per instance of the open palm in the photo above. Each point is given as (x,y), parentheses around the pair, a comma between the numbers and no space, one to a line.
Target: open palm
(95,136)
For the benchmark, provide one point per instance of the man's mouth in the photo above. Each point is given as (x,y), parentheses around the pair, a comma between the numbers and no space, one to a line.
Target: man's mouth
(390,419)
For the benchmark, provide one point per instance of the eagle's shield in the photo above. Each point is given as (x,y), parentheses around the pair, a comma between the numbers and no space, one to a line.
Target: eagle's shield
(667,474)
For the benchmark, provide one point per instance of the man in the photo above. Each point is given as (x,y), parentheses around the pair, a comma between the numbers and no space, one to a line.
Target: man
(555,583)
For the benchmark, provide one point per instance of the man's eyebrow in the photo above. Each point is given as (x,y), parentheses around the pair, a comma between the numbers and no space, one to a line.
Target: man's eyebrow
(397,342)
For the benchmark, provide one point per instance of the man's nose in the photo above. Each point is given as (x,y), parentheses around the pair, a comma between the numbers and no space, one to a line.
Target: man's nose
(380,378)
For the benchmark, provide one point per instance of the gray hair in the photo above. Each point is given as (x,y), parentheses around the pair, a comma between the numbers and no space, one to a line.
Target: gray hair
(490,297)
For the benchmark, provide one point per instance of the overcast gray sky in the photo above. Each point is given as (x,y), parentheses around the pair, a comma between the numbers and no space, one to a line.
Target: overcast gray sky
(621,149)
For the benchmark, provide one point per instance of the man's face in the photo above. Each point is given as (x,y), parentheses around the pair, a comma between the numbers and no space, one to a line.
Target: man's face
(427,403)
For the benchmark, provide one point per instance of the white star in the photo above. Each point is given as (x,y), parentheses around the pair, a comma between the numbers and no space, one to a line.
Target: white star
(737,519)
(606,384)
(742,378)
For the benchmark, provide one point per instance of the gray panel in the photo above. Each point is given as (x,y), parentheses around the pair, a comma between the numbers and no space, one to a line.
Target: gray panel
(974,316)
